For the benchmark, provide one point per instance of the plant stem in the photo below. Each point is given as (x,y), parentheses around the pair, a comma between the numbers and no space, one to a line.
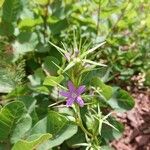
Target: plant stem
(84,130)
(80,123)
(111,30)
(58,102)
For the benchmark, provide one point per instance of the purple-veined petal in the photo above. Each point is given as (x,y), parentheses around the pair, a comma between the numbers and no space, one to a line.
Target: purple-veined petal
(80,89)
(65,94)
(70,101)
(80,101)
(71,86)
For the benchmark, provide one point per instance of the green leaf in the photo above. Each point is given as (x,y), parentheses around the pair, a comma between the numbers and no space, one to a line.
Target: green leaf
(57,125)
(41,2)
(1,2)
(42,90)
(31,143)
(70,65)
(11,9)
(109,133)
(9,117)
(6,29)
(79,137)
(23,125)
(37,78)
(18,92)
(92,124)
(29,102)
(29,22)
(92,50)
(50,63)
(93,63)
(52,80)
(106,148)
(25,43)
(121,101)
(57,27)
(62,51)
(104,89)
(3,146)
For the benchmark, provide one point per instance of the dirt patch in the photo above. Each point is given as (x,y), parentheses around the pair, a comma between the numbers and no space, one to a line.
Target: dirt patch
(137,124)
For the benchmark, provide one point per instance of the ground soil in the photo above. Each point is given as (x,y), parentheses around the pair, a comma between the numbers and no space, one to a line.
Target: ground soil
(137,124)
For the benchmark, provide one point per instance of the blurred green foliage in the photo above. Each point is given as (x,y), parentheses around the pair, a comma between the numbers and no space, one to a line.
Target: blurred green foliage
(32,67)
(26,27)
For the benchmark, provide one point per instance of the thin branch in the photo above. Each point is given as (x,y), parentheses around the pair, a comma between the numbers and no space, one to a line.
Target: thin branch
(111,30)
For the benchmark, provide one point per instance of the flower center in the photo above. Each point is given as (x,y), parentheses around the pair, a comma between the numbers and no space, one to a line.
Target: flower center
(74,95)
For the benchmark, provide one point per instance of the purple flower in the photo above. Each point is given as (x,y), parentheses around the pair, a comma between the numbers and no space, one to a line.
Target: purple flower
(73,94)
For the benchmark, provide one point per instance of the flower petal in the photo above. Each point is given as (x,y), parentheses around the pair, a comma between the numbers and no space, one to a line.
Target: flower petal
(65,94)
(80,89)
(80,101)
(71,86)
(70,101)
